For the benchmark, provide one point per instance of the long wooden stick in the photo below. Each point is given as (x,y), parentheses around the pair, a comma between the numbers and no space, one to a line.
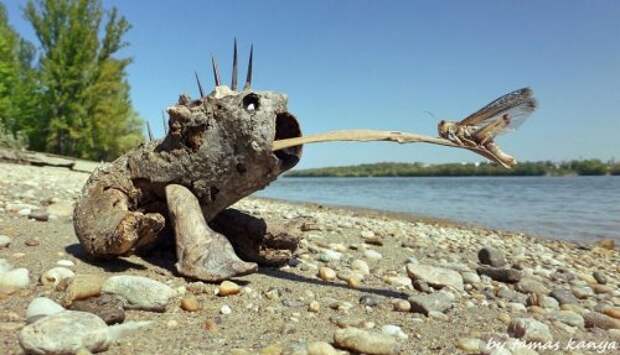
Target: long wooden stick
(366,135)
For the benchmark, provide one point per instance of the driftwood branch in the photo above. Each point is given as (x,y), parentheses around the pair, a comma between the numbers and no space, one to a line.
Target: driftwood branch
(365,135)
(201,252)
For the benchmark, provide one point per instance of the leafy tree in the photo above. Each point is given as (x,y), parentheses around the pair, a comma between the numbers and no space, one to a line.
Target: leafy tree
(86,110)
(18,100)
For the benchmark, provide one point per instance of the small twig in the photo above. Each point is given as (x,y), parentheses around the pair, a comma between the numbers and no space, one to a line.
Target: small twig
(365,135)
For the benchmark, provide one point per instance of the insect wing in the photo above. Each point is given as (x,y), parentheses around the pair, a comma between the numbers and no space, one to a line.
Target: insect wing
(517,104)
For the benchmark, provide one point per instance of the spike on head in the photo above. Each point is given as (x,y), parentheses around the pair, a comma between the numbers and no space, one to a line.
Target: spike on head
(248,80)
(164,122)
(199,86)
(216,72)
(148,130)
(233,81)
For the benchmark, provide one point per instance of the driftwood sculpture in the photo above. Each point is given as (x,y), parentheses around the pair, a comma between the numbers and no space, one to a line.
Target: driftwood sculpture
(218,149)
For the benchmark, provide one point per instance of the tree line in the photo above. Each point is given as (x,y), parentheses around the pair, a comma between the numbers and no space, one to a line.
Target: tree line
(68,93)
(540,168)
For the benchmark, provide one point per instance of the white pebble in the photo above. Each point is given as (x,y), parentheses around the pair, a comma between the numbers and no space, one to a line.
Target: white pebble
(65,263)
(371,254)
(225,309)
(395,331)
(41,307)
(55,275)
(14,279)
(5,241)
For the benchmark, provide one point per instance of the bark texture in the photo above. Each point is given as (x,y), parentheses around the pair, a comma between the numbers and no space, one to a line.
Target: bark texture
(218,147)
(255,240)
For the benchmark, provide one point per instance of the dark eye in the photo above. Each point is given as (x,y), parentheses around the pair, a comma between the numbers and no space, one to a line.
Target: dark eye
(251,102)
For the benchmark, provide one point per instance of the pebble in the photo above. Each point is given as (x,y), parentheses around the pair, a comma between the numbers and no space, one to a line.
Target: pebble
(395,331)
(434,302)
(531,285)
(210,325)
(14,279)
(5,241)
(139,292)
(32,242)
(65,333)
(470,277)
(530,330)
(598,289)
(491,256)
(327,274)
(228,288)
(321,348)
(190,303)
(582,292)
(360,266)
(83,286)
(363,341)
(369,300)
(613,312)
(470,345)
(314,307)
(225,309)
(500,274)
(372,255)
(435,276)
(107,307)
(55,275)
(599,320)
(39,215)
(330,255)
(569,317)
(402,306)
(398,281)
(564,296)
(5,266)
(598,276)
(41,307)
(65,263)
(549,303)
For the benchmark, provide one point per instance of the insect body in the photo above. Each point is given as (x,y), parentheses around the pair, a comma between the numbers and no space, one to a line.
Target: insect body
(479,129)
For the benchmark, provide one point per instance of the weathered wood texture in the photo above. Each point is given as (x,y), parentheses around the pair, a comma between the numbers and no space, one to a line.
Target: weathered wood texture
(218,147)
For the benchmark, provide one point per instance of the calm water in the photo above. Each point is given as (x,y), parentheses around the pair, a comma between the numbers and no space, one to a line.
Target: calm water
(573,208)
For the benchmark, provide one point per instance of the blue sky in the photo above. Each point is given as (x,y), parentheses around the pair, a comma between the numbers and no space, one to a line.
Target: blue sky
(381,64)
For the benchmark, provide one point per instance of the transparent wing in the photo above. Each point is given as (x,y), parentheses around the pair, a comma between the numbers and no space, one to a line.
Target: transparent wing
(518,104)
(515,115)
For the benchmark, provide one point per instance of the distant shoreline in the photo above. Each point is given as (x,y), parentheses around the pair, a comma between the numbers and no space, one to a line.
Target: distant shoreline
(591,167)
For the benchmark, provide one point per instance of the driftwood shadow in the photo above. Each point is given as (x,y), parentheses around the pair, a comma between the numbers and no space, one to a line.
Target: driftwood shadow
(109,265)
(285,275)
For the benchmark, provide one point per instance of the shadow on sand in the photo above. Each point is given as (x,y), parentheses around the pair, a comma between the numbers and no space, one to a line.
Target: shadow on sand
(166,261)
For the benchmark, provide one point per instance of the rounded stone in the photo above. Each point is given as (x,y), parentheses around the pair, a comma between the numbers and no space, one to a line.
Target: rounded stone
(491,256)
(65,333)
(327,274)
(139,292)
(41,307)
(228,288)
(190,303)
(5,241)
(55,275)
(14,279)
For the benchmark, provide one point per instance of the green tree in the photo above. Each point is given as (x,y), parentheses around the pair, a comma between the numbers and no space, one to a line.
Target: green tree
(18,99)
(86,110)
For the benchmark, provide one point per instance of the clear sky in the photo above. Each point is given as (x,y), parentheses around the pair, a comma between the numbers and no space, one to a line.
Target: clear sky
(381,64)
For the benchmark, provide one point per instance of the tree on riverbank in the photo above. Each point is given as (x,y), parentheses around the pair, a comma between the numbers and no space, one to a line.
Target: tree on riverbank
(77,102)
(17,84)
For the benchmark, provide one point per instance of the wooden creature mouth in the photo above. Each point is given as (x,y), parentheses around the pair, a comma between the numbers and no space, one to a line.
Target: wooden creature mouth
(287,127)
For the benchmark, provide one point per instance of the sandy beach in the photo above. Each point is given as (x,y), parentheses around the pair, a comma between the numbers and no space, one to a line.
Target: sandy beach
(361,281)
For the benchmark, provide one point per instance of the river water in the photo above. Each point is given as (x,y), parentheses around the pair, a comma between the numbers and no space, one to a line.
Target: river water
(569,208)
